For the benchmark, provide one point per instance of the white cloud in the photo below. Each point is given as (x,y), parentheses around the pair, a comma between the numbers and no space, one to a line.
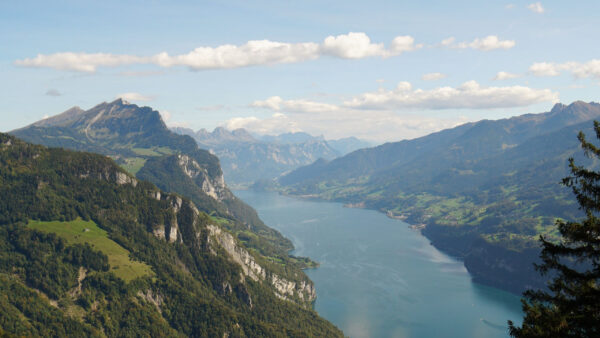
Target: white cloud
(276,103)
(589,69)
(488,43)
(545,69)
(352,46)
(448,42)
(402,44)
(372,125)
(82,62)
(536,7)
(166,115)
(510,6)
(135,97)
(256,52)
(384,115)
(505,76)
(470,95)
(433,76)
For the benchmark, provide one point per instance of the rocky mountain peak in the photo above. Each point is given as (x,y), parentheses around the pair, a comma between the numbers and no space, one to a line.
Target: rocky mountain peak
(62,118)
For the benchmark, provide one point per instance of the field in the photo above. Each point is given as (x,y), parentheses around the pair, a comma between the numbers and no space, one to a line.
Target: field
(80,231)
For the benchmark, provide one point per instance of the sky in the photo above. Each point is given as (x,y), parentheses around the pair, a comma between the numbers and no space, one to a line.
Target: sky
(378,70)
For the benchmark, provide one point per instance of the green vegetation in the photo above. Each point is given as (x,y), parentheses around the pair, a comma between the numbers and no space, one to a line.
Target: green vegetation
(133,164)
(481,191)
(140,143)
(57,283)
(570,308)
(80,231)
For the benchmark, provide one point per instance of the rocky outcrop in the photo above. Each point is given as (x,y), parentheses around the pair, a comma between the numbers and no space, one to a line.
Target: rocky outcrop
(217,239)
(122,178)
(285,289)
(151,297)
(237,253)
(213,187)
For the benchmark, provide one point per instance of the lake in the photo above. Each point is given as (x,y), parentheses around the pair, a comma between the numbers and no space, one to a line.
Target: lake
(379,278)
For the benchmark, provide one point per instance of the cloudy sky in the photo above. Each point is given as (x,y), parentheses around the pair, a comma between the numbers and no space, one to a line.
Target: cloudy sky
(379,70)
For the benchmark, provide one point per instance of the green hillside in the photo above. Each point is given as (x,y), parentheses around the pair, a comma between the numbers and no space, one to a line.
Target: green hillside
(79,231)
(75,222)
(482,191)
(139,141)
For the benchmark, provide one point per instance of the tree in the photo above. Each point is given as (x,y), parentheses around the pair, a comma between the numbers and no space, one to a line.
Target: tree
(571,306)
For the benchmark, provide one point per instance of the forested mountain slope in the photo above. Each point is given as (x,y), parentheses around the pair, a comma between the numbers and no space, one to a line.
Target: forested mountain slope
(88,250)
(138,140)
(483,191)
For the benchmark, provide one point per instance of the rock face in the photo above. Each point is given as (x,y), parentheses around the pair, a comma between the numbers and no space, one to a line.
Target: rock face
(122,178)
(237,253)
(217,238)
(213,187)
(285,289)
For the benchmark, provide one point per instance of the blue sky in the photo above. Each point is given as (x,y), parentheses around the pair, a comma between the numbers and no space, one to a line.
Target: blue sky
(379,70)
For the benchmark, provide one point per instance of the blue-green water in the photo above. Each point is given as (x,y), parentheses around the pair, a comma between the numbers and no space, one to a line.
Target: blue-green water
(378,278)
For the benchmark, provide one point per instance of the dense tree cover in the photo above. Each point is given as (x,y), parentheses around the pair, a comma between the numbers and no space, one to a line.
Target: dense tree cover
(571,306)
(195,290)
(138,137)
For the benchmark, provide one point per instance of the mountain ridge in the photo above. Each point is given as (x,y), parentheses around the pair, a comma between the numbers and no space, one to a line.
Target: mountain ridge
(487,187)
(56,278)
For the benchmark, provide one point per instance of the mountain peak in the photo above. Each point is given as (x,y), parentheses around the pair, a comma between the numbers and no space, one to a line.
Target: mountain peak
(558,108)
(60,119)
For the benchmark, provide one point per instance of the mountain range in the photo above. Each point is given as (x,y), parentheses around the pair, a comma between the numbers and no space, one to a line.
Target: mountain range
(246,159)
(481,191)
(86,249)
(138,141)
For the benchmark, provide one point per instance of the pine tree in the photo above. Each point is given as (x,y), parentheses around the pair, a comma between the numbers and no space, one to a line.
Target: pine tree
(571,306)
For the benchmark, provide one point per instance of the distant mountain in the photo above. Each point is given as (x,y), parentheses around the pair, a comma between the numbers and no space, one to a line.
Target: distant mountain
(348,144)
(484,191)
(138,140)
(246,159)
(86,249)
(290,138)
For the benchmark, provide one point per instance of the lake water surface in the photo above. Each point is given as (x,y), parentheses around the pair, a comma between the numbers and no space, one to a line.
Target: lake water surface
(378,278)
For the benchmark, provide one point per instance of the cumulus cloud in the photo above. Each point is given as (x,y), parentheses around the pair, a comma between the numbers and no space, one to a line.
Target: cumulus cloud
(384,115)
(372,125)
(53,92)
(536,7)
(487,43)
(166,115)
(505,76)
(469,95)
(589,69)
(433,76)
(82,62)
(256,52)
(135,97)
(276,103)
(352,46)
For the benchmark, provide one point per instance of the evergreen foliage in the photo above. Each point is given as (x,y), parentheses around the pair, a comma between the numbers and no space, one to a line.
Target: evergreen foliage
(49,287)
(571,306)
